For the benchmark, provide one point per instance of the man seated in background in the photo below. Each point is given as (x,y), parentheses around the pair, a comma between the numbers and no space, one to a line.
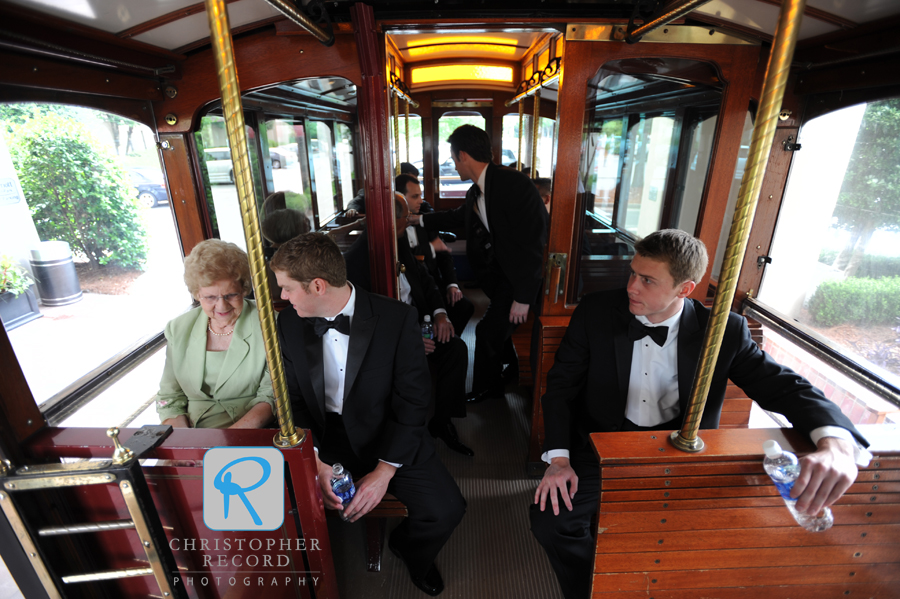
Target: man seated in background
(626,363)
(435,255)
(357,205)
(447,353)
(358,380)
(545,188)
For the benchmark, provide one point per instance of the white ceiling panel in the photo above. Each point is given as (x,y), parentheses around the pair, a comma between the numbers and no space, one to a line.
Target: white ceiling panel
(858,11)
(190,29)
(759,16)
(112,16)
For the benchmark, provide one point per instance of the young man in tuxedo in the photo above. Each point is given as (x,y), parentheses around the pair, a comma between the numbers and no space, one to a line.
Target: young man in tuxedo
(447,353)
(435,255)
(506,231)
(627,362)
(358,380)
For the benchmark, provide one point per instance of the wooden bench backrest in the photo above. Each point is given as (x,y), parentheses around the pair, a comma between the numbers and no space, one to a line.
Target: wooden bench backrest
(678,525)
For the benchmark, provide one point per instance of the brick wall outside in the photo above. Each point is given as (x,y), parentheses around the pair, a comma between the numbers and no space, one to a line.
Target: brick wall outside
(858,403)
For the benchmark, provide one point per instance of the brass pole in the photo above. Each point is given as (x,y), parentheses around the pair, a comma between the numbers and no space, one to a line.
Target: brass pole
(535,131)
(406,126)
(302,20)
(397,134)
(520,166)
(760,146)
(223,50)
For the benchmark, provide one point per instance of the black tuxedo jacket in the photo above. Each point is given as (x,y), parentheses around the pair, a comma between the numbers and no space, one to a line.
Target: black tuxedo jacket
(387,388)
(587,388)
(512,252)
(423,290)
(440,266)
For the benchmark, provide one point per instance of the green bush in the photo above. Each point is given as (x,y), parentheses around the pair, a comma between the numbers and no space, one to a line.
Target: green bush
(872,267)
(855,300)
(77,192)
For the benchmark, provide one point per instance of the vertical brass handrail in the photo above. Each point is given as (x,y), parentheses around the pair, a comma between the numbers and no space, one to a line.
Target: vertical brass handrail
(763,133)
(535,131)
(521,162)
(406,127)
(223,51)
(397,134)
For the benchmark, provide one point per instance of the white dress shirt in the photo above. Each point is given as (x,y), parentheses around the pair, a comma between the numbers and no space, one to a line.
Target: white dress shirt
(653,383)
(335,347)
(653,390)
(481,207)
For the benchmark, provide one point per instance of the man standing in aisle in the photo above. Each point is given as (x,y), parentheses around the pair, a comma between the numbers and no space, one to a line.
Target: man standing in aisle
(506,231)
(627,362)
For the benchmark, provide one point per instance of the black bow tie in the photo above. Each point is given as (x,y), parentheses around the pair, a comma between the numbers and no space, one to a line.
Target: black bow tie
(341,324)
(638,330)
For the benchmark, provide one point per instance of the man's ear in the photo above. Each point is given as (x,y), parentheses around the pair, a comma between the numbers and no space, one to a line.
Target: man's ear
(317,286)
(686,288)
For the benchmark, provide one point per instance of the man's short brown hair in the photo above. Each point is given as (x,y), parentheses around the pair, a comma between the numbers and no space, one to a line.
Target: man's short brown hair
(311,256)
(684,254)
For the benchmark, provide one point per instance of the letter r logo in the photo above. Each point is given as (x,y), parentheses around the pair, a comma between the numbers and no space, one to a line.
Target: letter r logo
(243,488)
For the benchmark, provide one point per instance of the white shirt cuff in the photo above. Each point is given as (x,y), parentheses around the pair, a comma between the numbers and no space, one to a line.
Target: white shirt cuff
(392,464)
(439,311)
(452,285)
(860,454)
(554,453)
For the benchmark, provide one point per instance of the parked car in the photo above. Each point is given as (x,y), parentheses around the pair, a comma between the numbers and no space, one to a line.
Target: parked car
(282,157)
(218,165)
(150,185)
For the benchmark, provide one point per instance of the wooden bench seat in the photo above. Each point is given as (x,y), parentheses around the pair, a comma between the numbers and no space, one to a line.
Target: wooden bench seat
(390,507)
(675,525)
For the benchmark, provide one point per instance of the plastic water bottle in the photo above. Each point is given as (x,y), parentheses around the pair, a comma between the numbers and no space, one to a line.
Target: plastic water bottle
(342,483)
(783,468)
(427,328)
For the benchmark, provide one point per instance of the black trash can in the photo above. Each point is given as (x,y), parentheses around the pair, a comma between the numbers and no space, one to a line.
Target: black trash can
(55,274)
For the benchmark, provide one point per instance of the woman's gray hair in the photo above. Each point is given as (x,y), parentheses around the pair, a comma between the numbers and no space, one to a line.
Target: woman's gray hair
(216,260)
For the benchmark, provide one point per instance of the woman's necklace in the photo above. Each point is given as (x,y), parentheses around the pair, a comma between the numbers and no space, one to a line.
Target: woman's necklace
(209,326)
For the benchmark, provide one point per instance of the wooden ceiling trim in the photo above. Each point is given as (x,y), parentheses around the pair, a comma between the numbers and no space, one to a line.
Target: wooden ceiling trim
(818,14)
(739,30)
(175,15)
(88,39)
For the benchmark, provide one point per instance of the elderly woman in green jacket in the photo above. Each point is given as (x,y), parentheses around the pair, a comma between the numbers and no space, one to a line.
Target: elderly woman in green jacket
(215,374)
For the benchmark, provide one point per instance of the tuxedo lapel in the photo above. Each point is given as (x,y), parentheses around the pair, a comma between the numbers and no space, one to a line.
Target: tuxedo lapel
(313,349)
(624,353)
(361,331)
(690,341)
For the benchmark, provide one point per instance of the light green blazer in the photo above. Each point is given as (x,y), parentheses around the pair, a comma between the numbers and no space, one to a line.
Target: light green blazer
(243,382)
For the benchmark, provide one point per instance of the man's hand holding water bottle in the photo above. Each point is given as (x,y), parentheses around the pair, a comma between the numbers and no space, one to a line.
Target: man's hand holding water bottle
(825,475)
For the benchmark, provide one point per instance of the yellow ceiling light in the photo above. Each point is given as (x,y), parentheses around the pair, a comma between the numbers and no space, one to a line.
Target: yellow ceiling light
(461,72)
(462,39)
(480,49)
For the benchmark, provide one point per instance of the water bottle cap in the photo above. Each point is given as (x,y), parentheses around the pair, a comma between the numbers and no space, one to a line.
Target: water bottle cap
(427,318)
(772,449)
(337,469)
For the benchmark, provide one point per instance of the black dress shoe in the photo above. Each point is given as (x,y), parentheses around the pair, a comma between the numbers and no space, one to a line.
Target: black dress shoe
(480,396)
(447,433)
(431,583)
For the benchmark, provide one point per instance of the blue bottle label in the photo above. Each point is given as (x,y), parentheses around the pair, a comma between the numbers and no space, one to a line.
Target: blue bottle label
(785,489)
(344,491)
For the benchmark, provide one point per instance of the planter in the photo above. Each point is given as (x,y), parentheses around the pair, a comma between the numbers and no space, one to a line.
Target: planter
(18,310)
